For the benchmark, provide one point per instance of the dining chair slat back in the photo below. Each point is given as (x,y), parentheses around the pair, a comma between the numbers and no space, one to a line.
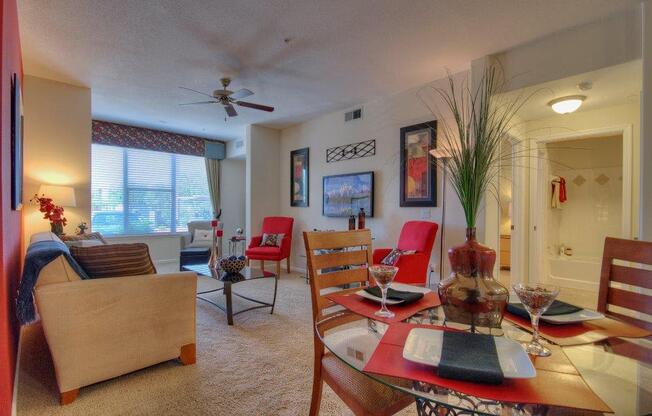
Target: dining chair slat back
(336,258)
(635,274)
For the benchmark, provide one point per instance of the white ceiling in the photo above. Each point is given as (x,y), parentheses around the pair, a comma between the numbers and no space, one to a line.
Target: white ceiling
(134,54)
(610,86)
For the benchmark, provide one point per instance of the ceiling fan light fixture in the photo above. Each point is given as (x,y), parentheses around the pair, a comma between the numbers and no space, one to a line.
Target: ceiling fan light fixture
(568,104)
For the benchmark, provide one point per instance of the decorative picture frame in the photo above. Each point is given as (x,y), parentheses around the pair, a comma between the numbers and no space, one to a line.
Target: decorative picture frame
(418,172)
(300,177)
(344,195)
(16,143)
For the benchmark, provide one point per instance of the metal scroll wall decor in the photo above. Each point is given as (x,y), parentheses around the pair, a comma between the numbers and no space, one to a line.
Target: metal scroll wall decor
(351,151)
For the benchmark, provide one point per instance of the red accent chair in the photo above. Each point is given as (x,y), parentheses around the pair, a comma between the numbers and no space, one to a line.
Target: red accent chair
(272,225)
(418,236)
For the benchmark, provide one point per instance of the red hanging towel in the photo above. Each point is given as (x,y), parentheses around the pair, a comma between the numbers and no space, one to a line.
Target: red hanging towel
(562,189)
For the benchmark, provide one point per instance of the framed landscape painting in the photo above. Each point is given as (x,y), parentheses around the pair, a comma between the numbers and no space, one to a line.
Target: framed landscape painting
(418,171)
(344,195)
(299,177)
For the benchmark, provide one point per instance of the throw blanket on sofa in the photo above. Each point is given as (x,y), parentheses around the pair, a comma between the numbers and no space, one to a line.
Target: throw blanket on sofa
(39,255)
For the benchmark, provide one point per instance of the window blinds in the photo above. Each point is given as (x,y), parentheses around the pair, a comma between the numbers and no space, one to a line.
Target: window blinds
(136,191)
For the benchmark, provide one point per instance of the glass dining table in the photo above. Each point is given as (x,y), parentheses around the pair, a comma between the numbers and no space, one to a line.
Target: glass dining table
(623,380)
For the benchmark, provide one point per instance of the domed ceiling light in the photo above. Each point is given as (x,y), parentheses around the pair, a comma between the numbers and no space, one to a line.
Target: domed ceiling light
(568,104)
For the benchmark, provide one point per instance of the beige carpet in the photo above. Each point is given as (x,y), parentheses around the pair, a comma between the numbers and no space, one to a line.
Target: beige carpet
(260,366)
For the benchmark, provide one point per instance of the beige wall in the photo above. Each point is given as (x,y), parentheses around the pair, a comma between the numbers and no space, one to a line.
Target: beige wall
(57,147)
(382,120)
(262,176)
(232,187)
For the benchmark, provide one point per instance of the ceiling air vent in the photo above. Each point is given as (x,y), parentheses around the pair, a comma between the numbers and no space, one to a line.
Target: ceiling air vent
(239,144)
(353,114)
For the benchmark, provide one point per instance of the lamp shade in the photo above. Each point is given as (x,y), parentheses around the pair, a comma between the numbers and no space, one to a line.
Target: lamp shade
(61,195)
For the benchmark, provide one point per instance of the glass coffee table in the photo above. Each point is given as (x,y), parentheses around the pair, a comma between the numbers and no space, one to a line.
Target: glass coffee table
(228,281)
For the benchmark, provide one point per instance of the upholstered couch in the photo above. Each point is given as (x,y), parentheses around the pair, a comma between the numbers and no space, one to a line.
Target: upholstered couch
(97,329)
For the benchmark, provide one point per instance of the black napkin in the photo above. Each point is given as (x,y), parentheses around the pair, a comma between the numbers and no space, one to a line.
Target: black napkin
(557,308)
(470,357)
(406,297)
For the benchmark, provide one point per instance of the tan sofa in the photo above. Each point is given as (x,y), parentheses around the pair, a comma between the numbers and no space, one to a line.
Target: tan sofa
(102,328)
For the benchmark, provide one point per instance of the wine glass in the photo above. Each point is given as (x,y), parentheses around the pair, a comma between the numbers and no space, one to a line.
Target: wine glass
(536,298)
(384,276)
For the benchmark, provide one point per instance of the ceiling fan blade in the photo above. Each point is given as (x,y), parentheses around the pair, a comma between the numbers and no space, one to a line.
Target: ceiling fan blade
(198,92)
(255,106)
(230,110)
(241,93)
(200,102)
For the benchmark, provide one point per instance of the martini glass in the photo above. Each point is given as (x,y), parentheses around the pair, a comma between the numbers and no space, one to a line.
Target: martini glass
(384,276)
(536,298)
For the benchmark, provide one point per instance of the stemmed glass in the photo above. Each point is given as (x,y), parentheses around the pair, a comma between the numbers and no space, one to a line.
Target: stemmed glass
(384,276)
(536,298)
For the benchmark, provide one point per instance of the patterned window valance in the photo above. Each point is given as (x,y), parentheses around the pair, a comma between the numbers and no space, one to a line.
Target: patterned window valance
(114,134)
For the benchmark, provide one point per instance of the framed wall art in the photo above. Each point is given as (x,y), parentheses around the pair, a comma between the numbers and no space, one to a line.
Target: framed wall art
(418,171)
(16,143)
(344,195)
(299,177)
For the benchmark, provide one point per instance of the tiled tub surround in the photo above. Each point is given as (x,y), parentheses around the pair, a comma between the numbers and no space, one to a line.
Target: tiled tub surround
(594,187)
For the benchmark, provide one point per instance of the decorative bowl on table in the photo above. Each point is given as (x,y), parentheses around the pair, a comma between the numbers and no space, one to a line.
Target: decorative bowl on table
(233,264)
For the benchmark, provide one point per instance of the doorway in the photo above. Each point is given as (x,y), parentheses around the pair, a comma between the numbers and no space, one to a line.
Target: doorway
(580,194)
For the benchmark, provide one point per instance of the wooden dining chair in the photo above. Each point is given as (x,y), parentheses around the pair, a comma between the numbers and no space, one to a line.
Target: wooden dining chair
(636,254)
(343,258)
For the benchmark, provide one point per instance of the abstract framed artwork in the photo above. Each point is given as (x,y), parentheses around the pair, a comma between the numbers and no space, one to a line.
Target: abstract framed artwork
(299,177)
(418,172)
(344,195)
(16,144)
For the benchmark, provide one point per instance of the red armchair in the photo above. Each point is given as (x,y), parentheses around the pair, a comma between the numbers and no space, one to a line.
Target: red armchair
(418,236)
(272,225)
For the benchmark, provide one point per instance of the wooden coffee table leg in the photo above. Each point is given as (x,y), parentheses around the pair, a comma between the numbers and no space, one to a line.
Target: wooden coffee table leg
(229,302)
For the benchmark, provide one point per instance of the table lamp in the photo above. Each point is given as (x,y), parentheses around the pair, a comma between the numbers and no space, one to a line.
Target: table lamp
(61,195)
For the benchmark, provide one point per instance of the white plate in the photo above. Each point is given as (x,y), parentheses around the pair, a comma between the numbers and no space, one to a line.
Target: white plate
(424,345)
(570,318)
(396,286)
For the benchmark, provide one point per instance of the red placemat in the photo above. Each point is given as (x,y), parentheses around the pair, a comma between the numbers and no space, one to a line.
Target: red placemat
(366,307)
(557,382)
(586,332)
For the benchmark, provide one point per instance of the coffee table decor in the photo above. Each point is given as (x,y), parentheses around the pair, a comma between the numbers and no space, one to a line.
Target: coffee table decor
(228,279)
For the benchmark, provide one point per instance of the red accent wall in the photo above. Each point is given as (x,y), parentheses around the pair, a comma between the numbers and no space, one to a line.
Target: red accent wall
(10,224)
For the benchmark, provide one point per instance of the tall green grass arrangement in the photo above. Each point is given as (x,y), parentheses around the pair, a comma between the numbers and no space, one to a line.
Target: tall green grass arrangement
(473,125)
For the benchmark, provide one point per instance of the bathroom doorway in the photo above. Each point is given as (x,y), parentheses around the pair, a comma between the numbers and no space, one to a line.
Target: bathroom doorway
(581,194)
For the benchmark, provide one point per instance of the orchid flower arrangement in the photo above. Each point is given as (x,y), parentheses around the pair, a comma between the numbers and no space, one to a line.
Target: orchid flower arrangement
(51,212)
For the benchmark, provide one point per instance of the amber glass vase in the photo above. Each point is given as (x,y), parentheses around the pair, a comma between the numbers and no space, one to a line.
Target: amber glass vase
(471,295)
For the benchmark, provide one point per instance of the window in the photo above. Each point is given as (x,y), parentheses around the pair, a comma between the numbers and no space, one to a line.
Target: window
(137,191)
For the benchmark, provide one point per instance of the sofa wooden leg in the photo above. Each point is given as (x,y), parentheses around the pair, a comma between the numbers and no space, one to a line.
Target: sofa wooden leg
(262,265)
(288,262)
(278,268)
(247,260)
(68,397)
(188,354)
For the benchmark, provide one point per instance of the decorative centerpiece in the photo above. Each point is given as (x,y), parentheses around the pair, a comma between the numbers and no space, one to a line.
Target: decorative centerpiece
(233,264)
(471,159)
(51,212)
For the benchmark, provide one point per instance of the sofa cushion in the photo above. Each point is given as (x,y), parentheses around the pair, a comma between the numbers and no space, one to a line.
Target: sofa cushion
(57,271)
(83,240)
(114,260)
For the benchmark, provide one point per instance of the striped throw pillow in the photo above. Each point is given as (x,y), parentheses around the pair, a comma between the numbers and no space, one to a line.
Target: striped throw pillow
(113,260)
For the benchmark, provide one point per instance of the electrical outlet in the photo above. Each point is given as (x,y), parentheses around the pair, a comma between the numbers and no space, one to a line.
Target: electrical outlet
(425,213)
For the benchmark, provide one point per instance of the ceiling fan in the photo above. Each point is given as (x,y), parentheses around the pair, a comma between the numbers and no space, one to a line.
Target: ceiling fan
(227,98)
